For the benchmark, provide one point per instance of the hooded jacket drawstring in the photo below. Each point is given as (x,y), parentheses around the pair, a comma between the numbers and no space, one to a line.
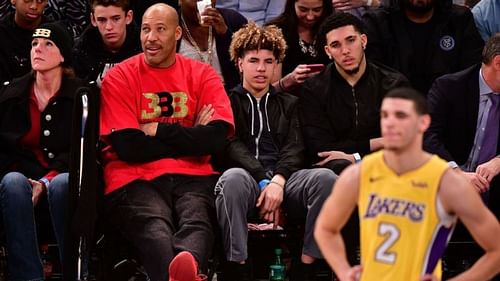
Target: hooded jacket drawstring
(265,111)
(261,123)
(253,112)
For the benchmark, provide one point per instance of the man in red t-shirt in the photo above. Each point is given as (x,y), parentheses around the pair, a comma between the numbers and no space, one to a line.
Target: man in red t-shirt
(162,115)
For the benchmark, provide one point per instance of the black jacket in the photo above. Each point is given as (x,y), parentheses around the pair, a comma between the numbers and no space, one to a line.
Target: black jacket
(15,46)
(55,128)
(454,107)
(455,42)
(90,56)
(63,119)
(283,124)
(336,116)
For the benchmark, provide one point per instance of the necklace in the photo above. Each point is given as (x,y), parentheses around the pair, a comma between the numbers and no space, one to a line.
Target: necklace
(191,41)
(307,48)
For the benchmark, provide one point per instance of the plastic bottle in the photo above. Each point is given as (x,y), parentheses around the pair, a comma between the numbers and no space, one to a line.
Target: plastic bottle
(46,262)
(277,269)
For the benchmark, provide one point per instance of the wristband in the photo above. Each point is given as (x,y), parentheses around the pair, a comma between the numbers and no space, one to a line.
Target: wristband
(263,183)
(45,182)
(369,3)
(278,184)
(280,82)
(357,157)
(453,164)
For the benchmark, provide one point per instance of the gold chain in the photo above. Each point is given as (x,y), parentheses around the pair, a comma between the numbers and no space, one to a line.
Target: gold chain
(195,45)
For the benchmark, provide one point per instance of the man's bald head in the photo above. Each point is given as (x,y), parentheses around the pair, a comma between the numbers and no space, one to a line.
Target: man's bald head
(166,11)
(160,31)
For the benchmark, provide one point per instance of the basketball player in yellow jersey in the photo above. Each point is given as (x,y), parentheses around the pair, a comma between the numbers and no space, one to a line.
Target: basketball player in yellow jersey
(408,201)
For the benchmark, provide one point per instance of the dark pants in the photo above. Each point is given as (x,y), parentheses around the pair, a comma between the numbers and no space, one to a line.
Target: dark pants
(162,217)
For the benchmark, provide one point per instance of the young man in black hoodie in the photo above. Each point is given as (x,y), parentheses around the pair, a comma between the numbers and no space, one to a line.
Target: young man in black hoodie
(112,38)
(16,30)
(265,156)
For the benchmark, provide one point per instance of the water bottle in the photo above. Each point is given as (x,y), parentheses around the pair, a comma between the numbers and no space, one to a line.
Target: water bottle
(277,269)
(46,261)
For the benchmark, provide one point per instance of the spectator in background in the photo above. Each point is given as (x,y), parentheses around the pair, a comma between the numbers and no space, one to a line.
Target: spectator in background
(4,8)
(487,18)
(209,41)
(340,107)
(465,111)
(356,7)
(266,158)
(423,39)
(74,14)
(16,30)
(300,22)
(162,116)
(112,37)
(259,11)
(35,123)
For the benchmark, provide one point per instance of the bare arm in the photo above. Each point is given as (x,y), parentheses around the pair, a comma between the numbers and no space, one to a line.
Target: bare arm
(479,221)
(293,79)
(343,5)
(333,216)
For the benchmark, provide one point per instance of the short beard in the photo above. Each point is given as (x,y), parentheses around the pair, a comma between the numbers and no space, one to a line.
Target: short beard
(418,9)
(354,71)
(351,72)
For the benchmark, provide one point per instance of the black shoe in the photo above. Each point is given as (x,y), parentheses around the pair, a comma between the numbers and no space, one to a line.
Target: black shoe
(302,272)
(232,271)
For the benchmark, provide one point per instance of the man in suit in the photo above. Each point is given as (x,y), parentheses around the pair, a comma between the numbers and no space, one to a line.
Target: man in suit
(465,114)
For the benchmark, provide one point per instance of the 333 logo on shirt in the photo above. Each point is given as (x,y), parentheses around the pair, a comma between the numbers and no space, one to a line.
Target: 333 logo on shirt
(164,104)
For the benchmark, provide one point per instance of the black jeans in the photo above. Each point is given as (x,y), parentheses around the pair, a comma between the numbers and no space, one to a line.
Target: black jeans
(162,217)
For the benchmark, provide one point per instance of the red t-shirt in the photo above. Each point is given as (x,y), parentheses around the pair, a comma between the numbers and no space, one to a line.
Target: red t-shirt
(134,93)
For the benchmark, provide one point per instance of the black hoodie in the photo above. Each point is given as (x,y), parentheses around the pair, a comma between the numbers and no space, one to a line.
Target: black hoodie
(15,46)
(92,60)
(276,131)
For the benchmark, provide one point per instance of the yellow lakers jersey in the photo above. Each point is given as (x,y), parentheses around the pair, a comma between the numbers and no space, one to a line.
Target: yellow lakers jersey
(404,228)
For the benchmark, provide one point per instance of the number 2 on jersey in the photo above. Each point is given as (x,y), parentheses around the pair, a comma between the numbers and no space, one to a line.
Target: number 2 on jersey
(391,234)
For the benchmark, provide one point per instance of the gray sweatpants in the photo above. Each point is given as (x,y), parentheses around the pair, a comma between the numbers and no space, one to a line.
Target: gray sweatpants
(236,196)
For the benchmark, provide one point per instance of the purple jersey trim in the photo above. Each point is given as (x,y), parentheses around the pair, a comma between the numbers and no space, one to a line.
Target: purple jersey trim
(437,248)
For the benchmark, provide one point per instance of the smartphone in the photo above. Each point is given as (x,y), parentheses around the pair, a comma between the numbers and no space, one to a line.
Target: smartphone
(316,67)
(202,5)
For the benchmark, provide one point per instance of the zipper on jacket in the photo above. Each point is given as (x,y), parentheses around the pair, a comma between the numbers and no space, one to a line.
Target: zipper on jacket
(356,109)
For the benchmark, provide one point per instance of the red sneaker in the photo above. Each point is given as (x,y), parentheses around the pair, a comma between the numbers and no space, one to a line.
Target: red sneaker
(184,268)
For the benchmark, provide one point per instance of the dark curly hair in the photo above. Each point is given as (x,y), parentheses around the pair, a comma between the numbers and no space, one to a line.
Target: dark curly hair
(253,37)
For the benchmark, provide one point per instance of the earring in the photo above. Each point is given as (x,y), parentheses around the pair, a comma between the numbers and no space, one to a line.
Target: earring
(329,56)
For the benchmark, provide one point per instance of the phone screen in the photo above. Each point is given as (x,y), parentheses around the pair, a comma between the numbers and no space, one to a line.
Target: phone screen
(315,67)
